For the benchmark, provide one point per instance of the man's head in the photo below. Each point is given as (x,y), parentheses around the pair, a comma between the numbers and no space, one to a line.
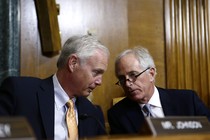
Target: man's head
(136,72)
(82,62)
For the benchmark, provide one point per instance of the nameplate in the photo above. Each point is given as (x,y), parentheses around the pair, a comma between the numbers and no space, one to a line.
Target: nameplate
(178,125)
(15,128)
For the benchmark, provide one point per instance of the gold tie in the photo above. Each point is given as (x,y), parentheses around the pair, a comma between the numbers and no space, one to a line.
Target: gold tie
(71,121)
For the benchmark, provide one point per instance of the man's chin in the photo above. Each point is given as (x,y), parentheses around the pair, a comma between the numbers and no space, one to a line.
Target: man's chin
(86,94)
(135,98)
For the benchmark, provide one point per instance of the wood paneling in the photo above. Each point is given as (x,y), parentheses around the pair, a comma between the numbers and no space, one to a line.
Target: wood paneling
(194,136)
(33,63)
(47,13)
(187,45)
(145,22)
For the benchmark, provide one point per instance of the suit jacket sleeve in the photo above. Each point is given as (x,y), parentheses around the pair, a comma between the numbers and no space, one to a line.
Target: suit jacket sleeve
(125,117)
(182,103)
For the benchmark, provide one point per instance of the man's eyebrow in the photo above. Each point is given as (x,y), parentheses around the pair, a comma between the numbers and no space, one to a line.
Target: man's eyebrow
(130,72)
(99,70)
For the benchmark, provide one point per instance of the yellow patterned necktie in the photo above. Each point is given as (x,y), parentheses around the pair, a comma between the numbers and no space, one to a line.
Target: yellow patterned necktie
(71,121)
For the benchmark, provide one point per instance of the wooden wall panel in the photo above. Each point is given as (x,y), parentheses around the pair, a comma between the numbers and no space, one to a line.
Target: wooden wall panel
(145,22)
(33,63)
(47,13)
(187,45)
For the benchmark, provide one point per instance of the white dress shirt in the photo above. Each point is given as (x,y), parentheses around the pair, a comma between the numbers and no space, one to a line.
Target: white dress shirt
(155,105)
(61,98)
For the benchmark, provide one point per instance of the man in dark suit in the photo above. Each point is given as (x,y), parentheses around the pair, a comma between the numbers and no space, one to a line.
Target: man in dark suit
(82,62)
(136,72)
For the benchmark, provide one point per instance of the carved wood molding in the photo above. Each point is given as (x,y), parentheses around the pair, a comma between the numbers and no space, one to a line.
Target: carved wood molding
(47,12)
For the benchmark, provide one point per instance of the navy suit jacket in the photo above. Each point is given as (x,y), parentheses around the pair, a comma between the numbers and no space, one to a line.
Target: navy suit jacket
(33,98)
(126,116)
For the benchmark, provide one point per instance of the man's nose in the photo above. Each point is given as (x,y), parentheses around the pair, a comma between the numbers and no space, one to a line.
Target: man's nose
(128,82)
(99,81)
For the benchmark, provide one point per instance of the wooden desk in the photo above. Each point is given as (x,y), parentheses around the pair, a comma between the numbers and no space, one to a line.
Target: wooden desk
(138,137)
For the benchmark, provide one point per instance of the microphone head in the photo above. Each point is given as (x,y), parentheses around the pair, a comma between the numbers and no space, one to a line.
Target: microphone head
(83,116)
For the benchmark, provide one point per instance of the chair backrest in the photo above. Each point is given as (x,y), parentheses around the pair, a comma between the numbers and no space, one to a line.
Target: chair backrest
(115,100)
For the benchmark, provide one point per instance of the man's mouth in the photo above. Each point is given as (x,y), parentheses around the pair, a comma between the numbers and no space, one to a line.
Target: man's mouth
(132,92)
(90,90)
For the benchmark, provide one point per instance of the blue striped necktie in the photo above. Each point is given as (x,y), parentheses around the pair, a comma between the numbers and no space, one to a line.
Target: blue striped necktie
(147,110)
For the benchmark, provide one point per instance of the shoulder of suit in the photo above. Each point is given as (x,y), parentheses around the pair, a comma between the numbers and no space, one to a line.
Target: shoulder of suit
(123,104)
(176,91)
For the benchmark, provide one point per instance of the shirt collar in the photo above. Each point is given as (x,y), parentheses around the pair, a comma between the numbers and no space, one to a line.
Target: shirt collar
(61,96)
(155,99)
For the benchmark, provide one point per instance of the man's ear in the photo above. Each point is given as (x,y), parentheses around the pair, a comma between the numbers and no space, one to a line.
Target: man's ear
(72,62)
(152,72)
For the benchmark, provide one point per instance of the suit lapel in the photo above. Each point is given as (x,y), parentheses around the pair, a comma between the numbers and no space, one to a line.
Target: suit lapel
(82,109)
(166,103)
(80,124)
(46,105)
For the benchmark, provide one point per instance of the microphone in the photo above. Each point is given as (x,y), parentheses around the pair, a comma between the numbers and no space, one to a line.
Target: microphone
(85,116)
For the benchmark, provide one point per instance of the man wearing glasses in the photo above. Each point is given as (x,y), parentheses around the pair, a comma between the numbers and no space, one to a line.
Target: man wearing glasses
(136,72)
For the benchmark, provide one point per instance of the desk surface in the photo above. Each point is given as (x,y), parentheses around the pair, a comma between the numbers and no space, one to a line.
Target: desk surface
(138,137)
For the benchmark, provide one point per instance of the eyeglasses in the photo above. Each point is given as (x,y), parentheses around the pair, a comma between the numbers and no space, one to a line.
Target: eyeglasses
(132,78)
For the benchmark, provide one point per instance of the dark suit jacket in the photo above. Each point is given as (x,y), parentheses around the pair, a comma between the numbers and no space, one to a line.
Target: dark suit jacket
(33,98)
(127,117)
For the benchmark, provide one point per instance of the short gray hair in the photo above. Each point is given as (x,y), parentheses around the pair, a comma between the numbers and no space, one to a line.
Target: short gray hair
(83,46)
(141,53)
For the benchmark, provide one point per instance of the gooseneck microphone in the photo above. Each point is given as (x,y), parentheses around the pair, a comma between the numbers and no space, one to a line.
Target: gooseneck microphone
(85,116)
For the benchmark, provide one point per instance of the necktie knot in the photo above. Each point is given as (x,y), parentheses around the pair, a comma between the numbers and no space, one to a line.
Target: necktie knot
(70,104)
(147,110)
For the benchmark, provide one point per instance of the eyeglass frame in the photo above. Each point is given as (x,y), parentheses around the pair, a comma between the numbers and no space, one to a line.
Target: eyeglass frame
(136,76)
